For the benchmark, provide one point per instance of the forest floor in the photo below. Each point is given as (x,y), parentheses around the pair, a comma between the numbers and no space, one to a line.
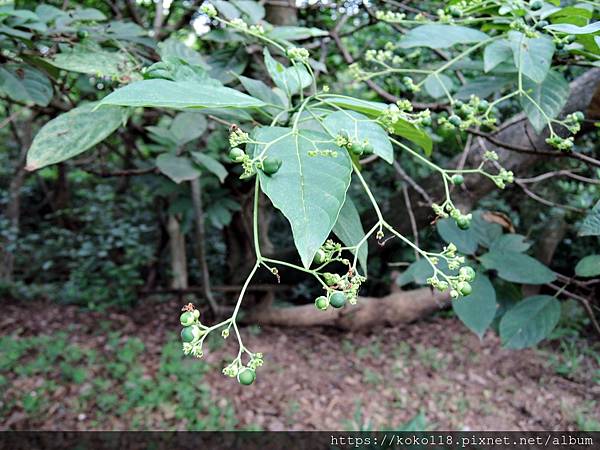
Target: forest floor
(65,368)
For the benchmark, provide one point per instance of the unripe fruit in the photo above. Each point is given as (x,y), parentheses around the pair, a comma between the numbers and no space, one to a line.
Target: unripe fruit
(454,120)
(464,288)
(337,299)
(246,376)
(483,105)
(455,11)
(457,179)
(579,116)
(560,45)
(541,24)
(367,149)
(536,5)
(187,318)
(357,149)
(236,154)
(319,258)
(321,303)
(463,223)
(191,333)
(271,165)
(467,273)
(82,34)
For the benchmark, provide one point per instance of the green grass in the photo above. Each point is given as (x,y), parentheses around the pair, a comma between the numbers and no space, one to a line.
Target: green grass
(113,382)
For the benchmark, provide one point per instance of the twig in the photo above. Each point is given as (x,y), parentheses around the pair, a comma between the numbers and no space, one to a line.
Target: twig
(584,301)
(411,216)
(557,173)
(543,201)
(406,177)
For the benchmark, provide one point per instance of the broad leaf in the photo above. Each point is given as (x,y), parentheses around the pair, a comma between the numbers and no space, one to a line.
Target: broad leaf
(177,168)
(72,133)
(550,97)
(438,85)
(517,267)
(529,321)
(349,230)
(360,127)
(485,232)
(290,33)
(211,164)
(477,310)
(289,79)
(510,243)
(574,29)
(374,109)
(309,190)
(465,240)
(174,48)
(179,95)
(588,266)
(253,10)
(92,59)
(441,36)
(483,86)
(591,224)
(496,53)
(420,270)
(187,126)
(532,56)
(25,84)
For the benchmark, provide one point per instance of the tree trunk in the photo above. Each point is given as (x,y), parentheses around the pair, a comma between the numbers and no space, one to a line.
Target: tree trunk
(178,258)
(281,15)
(393,309)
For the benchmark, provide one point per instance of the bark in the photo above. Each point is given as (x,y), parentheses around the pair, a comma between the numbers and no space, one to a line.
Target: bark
(393,309)
(200,242)
(281,15)
(178,257)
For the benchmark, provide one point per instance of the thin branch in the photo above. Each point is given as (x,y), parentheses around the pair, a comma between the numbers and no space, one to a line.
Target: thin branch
(121,173)
(584,301)
(411,216)
(407,178)
(543,201)
(557,173)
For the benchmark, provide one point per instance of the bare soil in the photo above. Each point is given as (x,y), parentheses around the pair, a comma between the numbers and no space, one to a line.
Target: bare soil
(323,379)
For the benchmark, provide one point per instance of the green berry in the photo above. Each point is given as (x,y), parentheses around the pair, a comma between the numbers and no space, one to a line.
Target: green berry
(319,258)
(536,5)
(541,24)
(560,45)
(246,376)
(271,165)
(337,299)
(571,38)
(321,303)
(483,106)
(426,121)
(187,318)
(579,116)
(457,179)
(82,34)
(191,333)
(467,273)
(455,120)
(464,288)
(463,223)
(368,149)
(357,149)
(455,11)
(236,154)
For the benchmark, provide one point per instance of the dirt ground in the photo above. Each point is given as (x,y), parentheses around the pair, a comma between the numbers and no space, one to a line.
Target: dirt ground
(321,379)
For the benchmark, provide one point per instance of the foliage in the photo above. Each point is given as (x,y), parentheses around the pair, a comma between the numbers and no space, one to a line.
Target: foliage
(309,143)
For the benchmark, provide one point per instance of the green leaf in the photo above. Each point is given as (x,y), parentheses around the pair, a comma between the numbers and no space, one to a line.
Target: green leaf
(496,53)
(72,133)
(510,243)
(574,29)
(483,86)
(227,9)
(485,232)
(177,168)
(550,95)
(441,36)
(530,321)
(179,95)
(588,266)
(374,109)
(309,191)
(464,240)
(349,230)
(477,310)
(174,48)
(211,164)
(25,84)
(291,80)
(290,33)
(591,224)
(532,56)
(92,59)
(517,267)
(360,127)
(187,126)
(420,270)
(261,91)
(251,9)
(437,85)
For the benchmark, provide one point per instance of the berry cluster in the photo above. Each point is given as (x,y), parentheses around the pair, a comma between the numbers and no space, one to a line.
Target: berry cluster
(193,332)
(475,112)
(269,165)
(245,374)
(354,146)
(459,285)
